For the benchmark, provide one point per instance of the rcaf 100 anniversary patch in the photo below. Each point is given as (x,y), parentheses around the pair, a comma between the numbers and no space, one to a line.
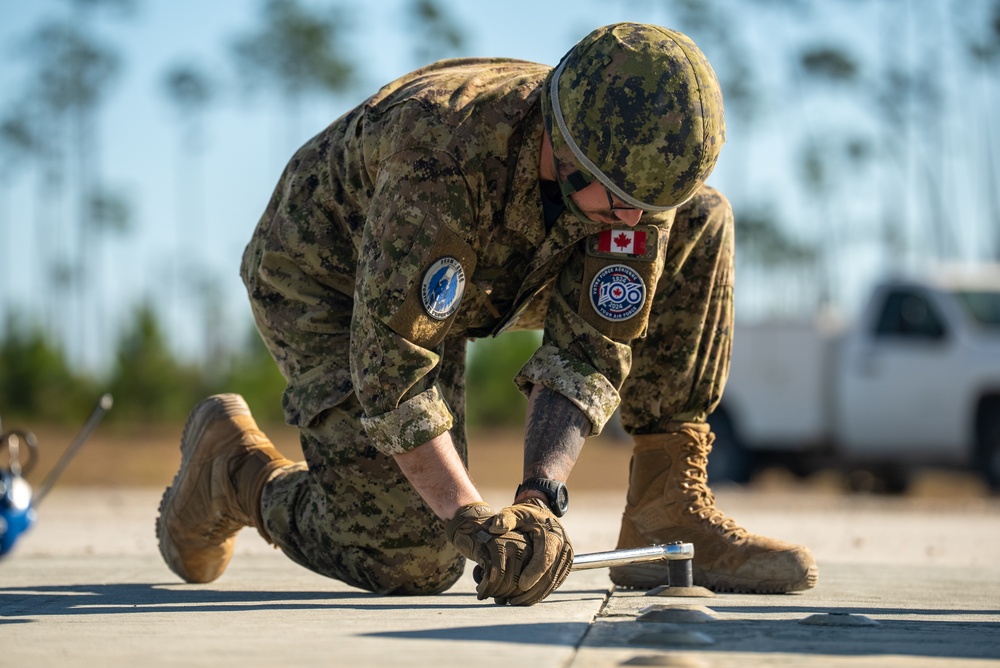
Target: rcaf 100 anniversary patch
(617,292)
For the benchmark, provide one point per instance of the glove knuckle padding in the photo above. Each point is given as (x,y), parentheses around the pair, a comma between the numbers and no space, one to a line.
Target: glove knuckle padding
(548,585)
(523,550)
(549,557)
(466,530)
(501,578)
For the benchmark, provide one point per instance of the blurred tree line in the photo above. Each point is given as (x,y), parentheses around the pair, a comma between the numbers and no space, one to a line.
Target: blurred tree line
(886,108)
(150,384)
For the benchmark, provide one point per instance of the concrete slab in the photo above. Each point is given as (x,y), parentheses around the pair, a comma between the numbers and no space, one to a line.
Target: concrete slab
(126,611)
(87,587)
(917,615)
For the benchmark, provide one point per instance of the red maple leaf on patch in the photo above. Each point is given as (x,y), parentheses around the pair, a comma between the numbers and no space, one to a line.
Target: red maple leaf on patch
(622,240)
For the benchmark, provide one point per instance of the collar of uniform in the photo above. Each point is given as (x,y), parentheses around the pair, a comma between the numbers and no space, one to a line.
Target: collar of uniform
(524,210)
(567,231)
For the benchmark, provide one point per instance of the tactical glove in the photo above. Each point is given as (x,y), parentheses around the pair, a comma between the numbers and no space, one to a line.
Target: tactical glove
(498,555)
(547,557)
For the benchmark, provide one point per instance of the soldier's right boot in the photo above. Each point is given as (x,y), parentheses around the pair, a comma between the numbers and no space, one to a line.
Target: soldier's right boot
(225,462)
(669,501)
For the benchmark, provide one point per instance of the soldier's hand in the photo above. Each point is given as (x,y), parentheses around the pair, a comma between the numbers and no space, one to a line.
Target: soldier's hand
(498,557)
(547,556)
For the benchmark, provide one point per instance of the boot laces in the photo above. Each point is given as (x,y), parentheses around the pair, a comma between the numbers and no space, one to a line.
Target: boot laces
(702,501)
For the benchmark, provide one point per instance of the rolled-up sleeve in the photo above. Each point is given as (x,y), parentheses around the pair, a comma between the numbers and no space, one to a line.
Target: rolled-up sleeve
(578,362)
(395,382)
(413,422)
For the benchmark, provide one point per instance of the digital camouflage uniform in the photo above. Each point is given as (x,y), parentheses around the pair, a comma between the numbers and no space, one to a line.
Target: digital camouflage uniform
(443,163)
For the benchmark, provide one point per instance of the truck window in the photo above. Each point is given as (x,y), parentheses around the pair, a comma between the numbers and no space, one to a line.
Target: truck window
(909,315)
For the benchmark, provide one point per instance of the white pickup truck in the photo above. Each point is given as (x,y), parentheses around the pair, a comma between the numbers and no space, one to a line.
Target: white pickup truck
(914,382)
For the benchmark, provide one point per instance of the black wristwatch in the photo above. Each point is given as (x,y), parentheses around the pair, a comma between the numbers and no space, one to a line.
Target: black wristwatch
(556,494)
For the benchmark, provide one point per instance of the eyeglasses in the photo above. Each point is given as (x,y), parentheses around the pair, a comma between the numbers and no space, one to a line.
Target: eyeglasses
(612,207)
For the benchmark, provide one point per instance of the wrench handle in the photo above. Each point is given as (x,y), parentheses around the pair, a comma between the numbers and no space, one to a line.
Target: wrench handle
(626,557)
(631,556)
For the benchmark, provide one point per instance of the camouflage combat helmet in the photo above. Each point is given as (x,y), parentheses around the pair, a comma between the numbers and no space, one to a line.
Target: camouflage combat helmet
(638,108)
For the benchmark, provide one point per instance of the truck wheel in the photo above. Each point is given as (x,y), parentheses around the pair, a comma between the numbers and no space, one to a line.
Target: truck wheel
(989,451)
(729,460)
(895,480)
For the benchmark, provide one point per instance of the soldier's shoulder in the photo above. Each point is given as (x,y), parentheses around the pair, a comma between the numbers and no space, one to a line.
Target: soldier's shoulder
(439,81)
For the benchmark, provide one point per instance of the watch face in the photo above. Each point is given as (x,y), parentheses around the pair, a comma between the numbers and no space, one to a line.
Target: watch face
(562,498)
(558,495)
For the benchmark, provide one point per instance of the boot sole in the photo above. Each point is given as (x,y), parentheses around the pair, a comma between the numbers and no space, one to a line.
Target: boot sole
(202,415)
(647,577)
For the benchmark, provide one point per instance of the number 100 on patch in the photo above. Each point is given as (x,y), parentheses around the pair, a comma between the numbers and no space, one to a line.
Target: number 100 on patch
(617,292)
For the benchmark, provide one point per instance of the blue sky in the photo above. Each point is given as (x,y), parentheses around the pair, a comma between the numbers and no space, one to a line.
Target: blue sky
(248,140)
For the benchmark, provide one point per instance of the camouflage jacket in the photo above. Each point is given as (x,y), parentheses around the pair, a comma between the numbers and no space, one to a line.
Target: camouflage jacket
(423,204)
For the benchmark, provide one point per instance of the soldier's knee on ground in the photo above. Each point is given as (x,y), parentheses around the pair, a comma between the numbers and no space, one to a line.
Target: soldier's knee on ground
(408,572)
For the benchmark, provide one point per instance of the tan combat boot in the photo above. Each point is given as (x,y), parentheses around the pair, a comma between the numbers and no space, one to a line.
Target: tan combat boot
(225,461)
(669,500)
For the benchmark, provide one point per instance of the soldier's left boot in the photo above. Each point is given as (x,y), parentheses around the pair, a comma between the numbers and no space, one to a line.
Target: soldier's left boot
(669,500)
(225,462)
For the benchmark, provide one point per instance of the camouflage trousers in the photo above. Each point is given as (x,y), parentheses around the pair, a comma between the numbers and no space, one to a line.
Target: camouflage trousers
(351,515)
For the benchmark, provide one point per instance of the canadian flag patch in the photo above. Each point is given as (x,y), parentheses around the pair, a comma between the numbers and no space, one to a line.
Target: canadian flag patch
(627,242)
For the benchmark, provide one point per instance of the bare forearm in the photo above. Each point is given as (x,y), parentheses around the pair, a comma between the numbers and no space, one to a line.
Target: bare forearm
(437,473)
(554,436)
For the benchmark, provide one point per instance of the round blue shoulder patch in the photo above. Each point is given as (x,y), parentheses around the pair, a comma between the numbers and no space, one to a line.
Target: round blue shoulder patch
(617,292)
(442,288)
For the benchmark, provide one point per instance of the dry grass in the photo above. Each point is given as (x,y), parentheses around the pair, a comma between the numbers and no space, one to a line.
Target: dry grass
(148,456)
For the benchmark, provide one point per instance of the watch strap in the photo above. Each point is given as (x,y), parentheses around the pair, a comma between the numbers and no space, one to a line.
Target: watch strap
(551,489)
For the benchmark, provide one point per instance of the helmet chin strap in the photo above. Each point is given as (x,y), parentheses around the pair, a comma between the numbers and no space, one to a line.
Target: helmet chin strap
(574,182)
